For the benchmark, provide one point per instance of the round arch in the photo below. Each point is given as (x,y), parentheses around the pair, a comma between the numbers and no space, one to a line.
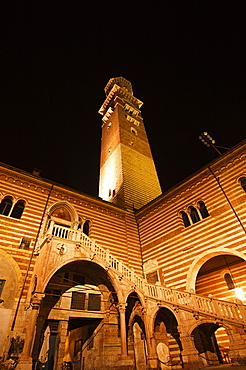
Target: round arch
(41,285)
(74,222)
(201,259)
(135,291)
(167,337)
(14,265)
(79,297)
(69,207)
(212,340)
(201,321)
(11,281)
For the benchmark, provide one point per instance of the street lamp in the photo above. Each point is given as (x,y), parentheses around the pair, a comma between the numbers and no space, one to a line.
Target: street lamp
(207,140)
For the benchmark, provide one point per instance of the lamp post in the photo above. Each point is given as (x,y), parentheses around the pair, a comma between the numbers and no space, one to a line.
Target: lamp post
(207,140)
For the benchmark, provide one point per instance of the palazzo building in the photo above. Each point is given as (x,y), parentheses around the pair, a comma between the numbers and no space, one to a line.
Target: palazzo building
(132,279)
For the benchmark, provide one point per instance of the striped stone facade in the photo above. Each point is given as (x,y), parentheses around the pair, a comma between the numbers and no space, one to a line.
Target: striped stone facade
(182,251)
(138,280)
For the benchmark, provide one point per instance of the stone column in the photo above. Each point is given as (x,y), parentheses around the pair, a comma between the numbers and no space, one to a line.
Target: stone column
(60,351)
(190,354)
(150,341)
(237,337)
(122,311)
(25,362)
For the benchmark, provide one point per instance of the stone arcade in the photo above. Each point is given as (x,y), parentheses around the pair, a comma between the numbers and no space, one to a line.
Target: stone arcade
(133,279)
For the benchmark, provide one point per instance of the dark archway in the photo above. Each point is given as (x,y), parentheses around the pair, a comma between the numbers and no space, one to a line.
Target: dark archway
(78,299)
(136,334)
(212,344)
(166,334)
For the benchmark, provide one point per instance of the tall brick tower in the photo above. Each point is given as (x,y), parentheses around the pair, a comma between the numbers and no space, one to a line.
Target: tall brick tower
(127,171)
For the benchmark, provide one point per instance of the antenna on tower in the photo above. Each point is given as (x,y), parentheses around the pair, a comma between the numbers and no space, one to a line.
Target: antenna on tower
(207,140)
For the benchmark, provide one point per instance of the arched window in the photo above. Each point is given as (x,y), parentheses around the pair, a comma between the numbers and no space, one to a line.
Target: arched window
(242,181)
(86,227)
(185,219)
(229,281)
(194,215)
(6,205)
(203,209)
(61,213)
(61,216)
(18,209)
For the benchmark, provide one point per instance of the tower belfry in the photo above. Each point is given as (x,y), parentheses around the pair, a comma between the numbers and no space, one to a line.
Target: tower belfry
(127,171)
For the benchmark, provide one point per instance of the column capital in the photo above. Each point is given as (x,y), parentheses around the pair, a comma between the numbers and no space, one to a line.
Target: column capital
(122,306)
(36,300)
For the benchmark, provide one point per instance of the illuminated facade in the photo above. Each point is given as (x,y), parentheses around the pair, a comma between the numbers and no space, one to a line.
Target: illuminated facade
(133,279)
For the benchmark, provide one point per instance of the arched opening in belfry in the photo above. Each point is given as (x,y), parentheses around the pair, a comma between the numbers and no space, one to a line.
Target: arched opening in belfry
(167,339)
(212,344)
(222,276)
(136,335)
(77,312)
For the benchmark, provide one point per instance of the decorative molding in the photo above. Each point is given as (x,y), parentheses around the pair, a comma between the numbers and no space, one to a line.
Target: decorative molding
(150,266)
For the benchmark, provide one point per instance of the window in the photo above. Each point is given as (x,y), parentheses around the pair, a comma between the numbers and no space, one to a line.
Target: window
(85,301)
(134,131)
(111,193)
(194,215)
(242,181)
(229,281)
(2,282)
(25,243)
(185,219)
(94,303)
(6,205)
(18,209)
(86,227)
(78,301)
(203,209)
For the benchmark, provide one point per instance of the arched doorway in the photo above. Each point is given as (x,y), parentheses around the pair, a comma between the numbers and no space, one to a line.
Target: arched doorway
(168,344)
(136,335)
(223,276)
(212,344)
(76,315)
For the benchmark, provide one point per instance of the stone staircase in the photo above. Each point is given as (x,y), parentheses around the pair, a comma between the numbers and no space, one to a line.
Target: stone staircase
(233,313)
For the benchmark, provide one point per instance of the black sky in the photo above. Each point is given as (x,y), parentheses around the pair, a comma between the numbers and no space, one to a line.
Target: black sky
(185,59)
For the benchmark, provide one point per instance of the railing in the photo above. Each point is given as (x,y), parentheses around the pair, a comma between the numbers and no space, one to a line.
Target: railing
(216,308)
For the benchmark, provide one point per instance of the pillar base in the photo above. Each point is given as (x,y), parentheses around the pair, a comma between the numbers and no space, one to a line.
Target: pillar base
(125,361)
(24,364)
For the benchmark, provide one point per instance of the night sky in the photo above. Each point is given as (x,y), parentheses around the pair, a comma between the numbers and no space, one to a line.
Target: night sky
(185,60)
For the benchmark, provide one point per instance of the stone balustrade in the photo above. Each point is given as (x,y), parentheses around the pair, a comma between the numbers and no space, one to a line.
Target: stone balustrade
(221,310)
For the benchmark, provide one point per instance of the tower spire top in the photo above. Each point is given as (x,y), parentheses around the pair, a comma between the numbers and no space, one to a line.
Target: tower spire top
(120,81)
